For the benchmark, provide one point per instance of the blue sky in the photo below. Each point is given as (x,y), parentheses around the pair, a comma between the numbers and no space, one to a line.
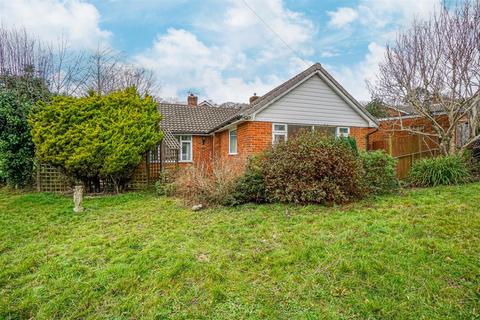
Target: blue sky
(220,49)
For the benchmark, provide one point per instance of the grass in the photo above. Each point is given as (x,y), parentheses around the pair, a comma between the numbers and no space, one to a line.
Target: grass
(413,256)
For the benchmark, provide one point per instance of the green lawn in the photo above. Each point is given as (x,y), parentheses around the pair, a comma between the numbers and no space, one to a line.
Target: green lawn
(415,256)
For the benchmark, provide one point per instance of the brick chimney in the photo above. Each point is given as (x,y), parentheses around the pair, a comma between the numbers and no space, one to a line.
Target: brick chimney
(253,98)
(192,100)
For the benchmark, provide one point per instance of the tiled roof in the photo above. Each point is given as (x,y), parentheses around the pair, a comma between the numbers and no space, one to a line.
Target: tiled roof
(181,118)
(203,119)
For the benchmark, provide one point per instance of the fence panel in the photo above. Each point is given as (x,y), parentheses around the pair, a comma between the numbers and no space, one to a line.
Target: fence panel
(50,179)
(405,162)
(406,149)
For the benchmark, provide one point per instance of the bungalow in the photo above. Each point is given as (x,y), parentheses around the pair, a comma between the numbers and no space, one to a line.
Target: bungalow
(313,99)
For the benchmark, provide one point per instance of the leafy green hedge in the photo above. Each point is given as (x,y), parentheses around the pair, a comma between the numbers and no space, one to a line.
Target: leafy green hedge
(250,187)
(17,96)
(379,172)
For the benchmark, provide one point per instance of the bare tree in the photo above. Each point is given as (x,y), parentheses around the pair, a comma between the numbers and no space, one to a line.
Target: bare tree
(142,79)
(21,53)
(67,71)
(434,68)
(108,72)
(63,70)
(101,71)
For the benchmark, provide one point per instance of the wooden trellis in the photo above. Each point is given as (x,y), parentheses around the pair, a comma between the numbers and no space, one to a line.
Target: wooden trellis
(51,179)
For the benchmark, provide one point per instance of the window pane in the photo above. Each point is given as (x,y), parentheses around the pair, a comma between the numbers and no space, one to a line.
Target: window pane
(184,151)
(186,138)
(278,138)
(327,131)
(342,132)
(186,155)
(294,130)
(233,141)
(279,127)
(233,144)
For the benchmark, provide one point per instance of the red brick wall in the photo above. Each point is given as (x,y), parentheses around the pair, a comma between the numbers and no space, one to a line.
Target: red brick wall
(258,136)
(202,149)
(202,153)
(360,135)
(252,138)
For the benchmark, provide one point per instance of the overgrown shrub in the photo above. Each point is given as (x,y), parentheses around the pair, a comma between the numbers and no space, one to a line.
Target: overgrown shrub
(352,143)
(312,168)
(444,170)
(208,185)
(165,185)
(379,172)
(250,187)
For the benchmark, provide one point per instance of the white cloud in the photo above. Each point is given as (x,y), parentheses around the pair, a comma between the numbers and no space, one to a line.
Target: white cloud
(378,21)
(238,57)
(354,78)
(375,15)
(342,17)
(241,55)
(379,13)
(75,20)
(230,57)
(294,28)
(182,62)
(328,53)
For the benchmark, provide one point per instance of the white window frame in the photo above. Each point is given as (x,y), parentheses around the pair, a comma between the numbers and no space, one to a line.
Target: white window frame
(230,142)
(338,134)
(279,132)
(181,141)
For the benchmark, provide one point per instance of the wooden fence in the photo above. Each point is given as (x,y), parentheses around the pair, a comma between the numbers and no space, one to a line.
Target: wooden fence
(406,149)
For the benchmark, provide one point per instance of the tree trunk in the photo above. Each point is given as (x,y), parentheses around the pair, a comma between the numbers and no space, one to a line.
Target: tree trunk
(452,144)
